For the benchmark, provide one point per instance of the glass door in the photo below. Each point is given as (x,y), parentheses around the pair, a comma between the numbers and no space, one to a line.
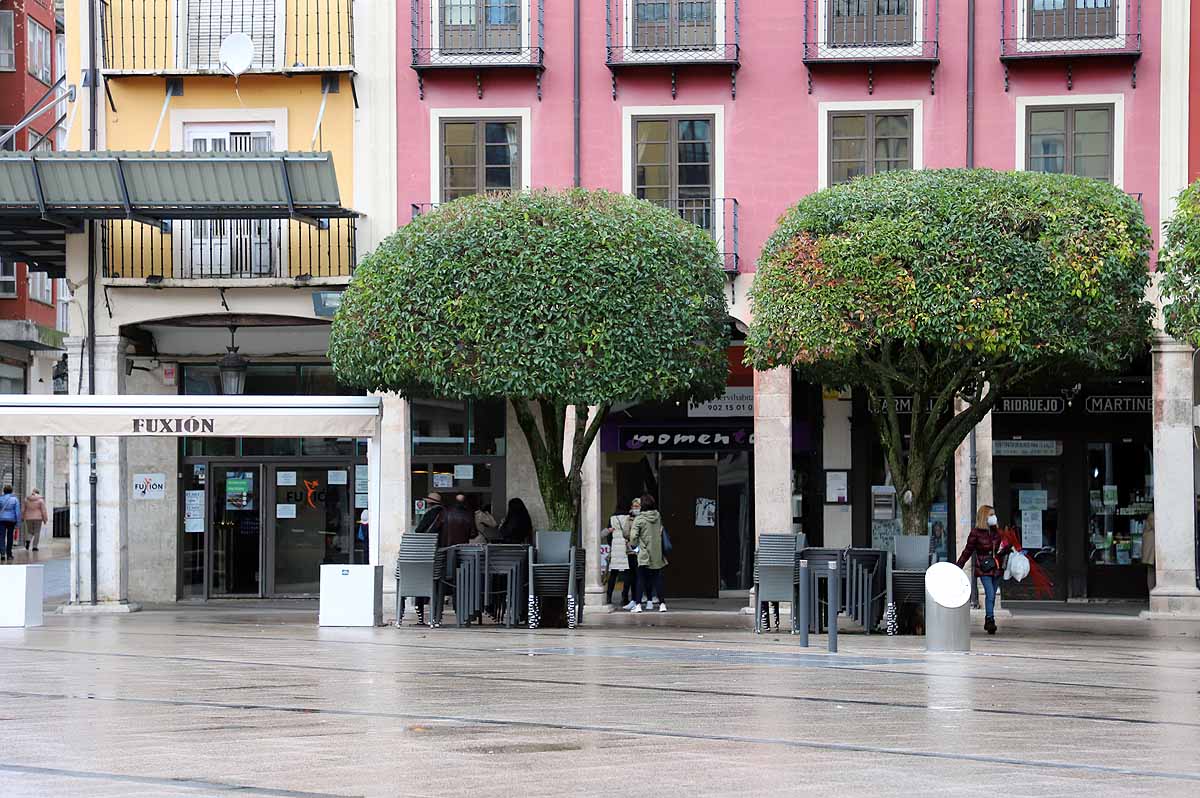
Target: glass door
(312,524)
(236,530)
(1029,497)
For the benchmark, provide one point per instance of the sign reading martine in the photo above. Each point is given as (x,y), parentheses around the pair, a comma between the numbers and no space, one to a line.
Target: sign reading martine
(1119,404)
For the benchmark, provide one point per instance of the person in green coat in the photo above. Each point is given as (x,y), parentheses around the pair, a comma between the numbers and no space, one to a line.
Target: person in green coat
(646,538)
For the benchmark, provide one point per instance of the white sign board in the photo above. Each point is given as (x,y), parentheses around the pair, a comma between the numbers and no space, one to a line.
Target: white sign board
(837,487)
(1031,529)
(149,486)
(1033,500)
(285,511)
(361,479)
(285,478)
(464,472)
(336,477)
(1024,448)
(706,512)
(193,511)
(736,402)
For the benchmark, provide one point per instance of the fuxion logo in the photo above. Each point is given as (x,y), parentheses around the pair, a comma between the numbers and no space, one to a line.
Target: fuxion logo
(173,426)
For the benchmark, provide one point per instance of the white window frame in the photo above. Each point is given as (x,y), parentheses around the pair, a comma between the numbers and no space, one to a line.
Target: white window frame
(651,56)
(1028,45)
(11,144)
(830,50)
(436,55)
(62,306)
(43,47)
(8,276)
(1117,101)
(437,115)
(11,50)
(825,110)
(277,57)
(41,287)
(630,113)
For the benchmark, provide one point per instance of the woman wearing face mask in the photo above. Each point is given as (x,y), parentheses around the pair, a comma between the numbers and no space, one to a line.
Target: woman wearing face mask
(988,550)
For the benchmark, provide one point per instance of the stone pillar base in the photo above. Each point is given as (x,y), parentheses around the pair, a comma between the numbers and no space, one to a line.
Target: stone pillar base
(100,608)
(1174,604)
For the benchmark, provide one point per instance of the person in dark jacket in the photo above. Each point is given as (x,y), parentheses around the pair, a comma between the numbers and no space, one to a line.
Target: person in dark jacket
(458,526)
(517,526)
(986,551)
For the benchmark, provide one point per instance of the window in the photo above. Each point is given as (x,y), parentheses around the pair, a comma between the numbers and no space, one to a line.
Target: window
(8,278)
(870,22)
(480,155)
(1072,19)
(1076,140)
(204,24)
(673,24)
(11,144)
(447,427)
(40,288)
(481,25)
(8,53)
(39,142)
(867,143)
(39,53)
(63,319)
(673,166)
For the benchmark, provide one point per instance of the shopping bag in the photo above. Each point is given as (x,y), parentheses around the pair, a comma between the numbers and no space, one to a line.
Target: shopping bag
(1018,566)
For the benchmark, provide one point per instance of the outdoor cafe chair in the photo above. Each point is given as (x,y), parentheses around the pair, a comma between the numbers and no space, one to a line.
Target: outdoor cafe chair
(418,567)
(555,569)
(776,572)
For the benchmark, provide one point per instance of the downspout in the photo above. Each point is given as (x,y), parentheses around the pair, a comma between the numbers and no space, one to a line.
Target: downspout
(576,98)
(93,121)
(971,165)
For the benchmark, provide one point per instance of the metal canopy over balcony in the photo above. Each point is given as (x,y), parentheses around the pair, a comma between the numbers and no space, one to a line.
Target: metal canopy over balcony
(183,37)
(45,195)
(673,34)
(1068,31)
(477,36)
(871,33)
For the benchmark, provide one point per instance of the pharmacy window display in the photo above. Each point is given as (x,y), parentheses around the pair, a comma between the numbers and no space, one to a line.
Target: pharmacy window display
(1120,499)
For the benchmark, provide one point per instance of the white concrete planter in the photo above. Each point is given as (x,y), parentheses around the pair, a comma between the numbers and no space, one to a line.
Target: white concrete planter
(351,595)
(21,595)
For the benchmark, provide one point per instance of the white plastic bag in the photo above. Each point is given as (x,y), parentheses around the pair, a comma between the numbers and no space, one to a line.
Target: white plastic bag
(1018,566)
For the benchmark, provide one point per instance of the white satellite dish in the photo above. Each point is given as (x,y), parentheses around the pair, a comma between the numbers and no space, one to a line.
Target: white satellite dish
(237,53)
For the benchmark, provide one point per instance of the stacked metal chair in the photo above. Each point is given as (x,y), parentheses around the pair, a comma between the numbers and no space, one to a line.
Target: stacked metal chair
(464,573)
(556,568)
(818,569)
(505,563)
(419,568)
(776,576)
(865,590)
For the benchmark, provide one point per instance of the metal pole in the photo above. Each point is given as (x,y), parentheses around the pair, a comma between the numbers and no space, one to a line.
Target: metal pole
(93,122)
(834,605)
(970,84)
(802,605)
(576,98)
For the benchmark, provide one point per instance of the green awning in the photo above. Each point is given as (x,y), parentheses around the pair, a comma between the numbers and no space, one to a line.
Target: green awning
(44,195)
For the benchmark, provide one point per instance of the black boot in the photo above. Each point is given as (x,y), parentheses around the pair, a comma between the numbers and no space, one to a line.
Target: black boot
(989,624)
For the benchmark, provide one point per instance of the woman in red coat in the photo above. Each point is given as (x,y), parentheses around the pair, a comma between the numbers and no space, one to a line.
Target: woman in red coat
(988,550)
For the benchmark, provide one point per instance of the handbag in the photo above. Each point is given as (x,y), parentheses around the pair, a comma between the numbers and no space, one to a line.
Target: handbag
(666,542)
(987,563)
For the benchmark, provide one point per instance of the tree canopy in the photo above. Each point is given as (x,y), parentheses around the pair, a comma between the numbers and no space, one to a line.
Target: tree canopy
(943,285)
(1179,267)
(573,298)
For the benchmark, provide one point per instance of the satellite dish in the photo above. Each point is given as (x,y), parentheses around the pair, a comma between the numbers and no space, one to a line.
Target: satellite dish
(237,53)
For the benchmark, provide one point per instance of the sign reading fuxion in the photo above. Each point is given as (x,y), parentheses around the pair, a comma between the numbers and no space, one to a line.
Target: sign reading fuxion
(173,426)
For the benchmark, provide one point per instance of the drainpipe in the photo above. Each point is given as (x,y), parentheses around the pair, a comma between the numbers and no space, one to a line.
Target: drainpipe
(576,99)
(971,165)
(93,121)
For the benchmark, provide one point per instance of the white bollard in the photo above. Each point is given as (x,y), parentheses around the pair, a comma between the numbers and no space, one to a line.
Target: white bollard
(21,595)
(947,608)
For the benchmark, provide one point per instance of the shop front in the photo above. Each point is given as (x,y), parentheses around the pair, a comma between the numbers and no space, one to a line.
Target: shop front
(458,448)
(1073,472)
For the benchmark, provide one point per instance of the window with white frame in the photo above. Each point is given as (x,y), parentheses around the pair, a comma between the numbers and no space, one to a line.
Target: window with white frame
(39,52)
(675,24)
(63,317)
(1072,19)
(869,142)
(480,26)
(41,288)
(8,51)
(230,247)
(673,163)
(204,24)
(480,155)
(8,278)
(870,22)
(11,144)
(1076,140)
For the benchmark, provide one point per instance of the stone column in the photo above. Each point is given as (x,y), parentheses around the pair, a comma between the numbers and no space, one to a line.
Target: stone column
(390,519)
(1175,594)
(772,451)
(591,514)
(112,553)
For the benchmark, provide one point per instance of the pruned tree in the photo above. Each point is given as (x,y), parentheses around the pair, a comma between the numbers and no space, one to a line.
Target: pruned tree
(549,300)
(1179,268)
(924,288)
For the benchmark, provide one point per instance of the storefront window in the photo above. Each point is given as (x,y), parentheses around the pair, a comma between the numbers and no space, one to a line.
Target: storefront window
(270,447)
(1120,498)
(449,427)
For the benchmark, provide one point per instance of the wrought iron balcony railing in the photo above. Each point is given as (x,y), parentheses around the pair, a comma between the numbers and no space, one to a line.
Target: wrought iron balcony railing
(183,37)
(1070,31)
(208,249)
(872,33)
(477,35)
(717,217)
(673,34)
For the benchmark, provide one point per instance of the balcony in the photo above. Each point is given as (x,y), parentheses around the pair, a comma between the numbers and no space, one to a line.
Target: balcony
(673,34)
(717,217)
(183,37)
(871,34)
(1069,31)
(228,251)
(477,36)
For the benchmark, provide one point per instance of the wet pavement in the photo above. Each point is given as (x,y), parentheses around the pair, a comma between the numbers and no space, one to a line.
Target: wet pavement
(257,700)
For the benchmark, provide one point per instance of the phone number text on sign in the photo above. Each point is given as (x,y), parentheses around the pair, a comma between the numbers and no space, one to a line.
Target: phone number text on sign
(735,402)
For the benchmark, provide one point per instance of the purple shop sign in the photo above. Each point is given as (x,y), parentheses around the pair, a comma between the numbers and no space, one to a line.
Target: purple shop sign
(668,437)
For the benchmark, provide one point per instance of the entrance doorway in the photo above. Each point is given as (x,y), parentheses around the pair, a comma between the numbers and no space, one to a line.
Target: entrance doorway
(1029,497)
(236,531)
(688,498)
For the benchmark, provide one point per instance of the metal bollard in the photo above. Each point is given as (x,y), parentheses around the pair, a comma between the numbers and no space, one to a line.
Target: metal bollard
(835,603)
(802,608)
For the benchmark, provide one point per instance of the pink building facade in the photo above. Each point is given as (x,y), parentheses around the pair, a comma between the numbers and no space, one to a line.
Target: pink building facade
(731,111)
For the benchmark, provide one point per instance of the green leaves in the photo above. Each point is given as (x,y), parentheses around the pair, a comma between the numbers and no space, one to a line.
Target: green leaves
(1179,267)
(577,297)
